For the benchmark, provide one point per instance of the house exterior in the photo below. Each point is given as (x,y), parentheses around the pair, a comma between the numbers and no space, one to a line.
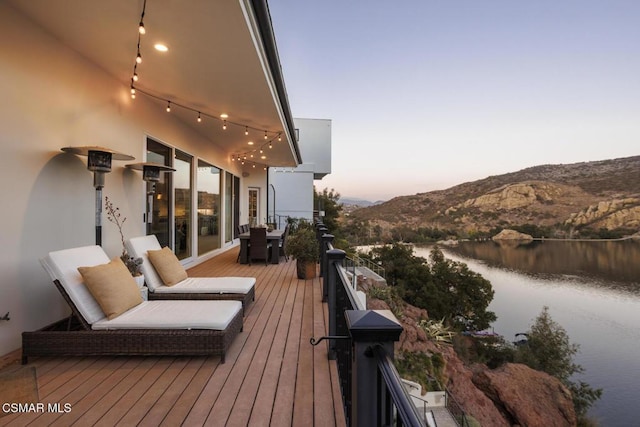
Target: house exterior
(291,188)
(213,107)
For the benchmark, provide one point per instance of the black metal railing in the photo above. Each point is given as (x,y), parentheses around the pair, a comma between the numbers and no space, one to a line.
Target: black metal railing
(361,342)
(456,411)
(392,392)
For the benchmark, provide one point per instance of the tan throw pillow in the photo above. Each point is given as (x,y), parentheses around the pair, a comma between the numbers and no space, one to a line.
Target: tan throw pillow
(112,286)
(167,265)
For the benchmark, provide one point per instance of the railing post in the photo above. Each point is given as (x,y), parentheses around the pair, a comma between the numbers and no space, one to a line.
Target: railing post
(321,231)
(370,328)
(324,245)
(335,257)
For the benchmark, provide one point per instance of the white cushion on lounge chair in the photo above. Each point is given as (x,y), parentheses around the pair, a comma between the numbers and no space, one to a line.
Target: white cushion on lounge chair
(184,314)
(175,314)
(63,266)
(138,247)
(212,285)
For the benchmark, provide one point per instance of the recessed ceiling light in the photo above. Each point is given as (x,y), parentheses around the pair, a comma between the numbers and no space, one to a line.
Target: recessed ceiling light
(224,116)
(161,47)
(250,142)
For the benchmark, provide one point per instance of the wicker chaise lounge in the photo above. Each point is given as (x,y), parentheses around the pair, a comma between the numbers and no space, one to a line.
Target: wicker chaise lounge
(149,328)
(198,288)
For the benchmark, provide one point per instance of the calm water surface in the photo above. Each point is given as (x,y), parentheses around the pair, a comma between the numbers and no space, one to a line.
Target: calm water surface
(592,289)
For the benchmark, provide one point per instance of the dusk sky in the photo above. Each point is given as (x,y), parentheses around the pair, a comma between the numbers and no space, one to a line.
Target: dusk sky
(424,95)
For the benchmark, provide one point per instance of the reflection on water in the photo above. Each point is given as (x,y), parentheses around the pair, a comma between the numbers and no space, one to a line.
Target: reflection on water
(592,289)
(612,264)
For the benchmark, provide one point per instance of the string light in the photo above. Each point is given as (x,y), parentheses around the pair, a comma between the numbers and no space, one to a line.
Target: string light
(223,116)
(141,29)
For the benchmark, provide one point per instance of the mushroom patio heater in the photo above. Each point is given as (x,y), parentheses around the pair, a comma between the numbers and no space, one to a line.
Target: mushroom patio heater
(150,174)
(99,162)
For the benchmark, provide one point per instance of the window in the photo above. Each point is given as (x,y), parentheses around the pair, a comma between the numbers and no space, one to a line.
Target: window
(159,194)
(209,214)
(182,205)
(254,197)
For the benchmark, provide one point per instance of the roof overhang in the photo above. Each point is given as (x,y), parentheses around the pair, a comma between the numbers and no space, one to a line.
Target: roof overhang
(222,59)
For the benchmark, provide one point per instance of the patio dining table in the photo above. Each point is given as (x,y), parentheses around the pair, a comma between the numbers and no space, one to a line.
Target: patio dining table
(273,237)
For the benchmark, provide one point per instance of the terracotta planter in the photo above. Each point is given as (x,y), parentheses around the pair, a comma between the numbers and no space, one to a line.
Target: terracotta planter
(306,270)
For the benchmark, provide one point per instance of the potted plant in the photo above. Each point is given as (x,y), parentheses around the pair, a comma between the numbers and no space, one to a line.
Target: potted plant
(303,246)
(133,264)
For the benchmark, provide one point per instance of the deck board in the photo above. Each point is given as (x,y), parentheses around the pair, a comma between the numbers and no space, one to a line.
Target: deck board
(272,375)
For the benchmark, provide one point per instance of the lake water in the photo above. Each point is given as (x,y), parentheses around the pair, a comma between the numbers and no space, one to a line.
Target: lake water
(592,290)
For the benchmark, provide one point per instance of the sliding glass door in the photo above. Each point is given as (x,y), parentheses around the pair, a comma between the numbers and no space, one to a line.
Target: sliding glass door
(209,215)
(182,207)
(159,197)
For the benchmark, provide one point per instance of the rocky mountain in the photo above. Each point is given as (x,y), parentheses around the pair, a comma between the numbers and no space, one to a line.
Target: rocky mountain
(568,198)
(352,201)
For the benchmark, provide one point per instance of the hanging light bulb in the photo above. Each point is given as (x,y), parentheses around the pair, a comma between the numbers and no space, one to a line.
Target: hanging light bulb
(199,118)
(168,106)
(138,57)
(224,125)
(233,159)
(270,146)
(246,130)
(254,165)
(135,77)
(265,134)
(279,137)
(141,29)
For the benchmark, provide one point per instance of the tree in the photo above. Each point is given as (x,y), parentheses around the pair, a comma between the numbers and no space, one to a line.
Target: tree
(327,201)
(446,289)
(548,349)
(468,293)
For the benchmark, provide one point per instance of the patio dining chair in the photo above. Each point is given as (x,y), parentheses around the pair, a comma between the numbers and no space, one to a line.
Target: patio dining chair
(258,245)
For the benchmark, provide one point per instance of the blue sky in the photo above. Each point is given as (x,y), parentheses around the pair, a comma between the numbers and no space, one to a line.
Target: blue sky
(424,95)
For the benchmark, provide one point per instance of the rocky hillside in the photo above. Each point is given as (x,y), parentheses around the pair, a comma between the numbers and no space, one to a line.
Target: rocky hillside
(512,394)
(572,197)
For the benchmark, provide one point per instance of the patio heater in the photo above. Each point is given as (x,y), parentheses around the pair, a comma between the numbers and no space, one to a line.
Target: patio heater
(151,175)
(99,162)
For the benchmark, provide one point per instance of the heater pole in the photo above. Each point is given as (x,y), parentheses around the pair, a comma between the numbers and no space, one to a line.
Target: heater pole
(99,216)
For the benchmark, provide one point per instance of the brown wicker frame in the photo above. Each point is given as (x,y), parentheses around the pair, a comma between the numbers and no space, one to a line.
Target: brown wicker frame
(245,299)
(74,337)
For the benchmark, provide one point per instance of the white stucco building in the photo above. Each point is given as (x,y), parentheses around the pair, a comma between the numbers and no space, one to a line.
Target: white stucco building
(291,188)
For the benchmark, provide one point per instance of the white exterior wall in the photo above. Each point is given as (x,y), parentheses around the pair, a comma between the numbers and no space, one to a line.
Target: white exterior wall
(292,193)
(315,144)
(53,98)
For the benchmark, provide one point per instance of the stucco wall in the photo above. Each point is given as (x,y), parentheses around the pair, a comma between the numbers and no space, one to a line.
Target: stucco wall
(52,98)
(315,144)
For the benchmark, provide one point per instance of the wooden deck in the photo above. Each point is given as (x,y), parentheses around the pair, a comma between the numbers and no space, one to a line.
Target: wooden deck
(272,375)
